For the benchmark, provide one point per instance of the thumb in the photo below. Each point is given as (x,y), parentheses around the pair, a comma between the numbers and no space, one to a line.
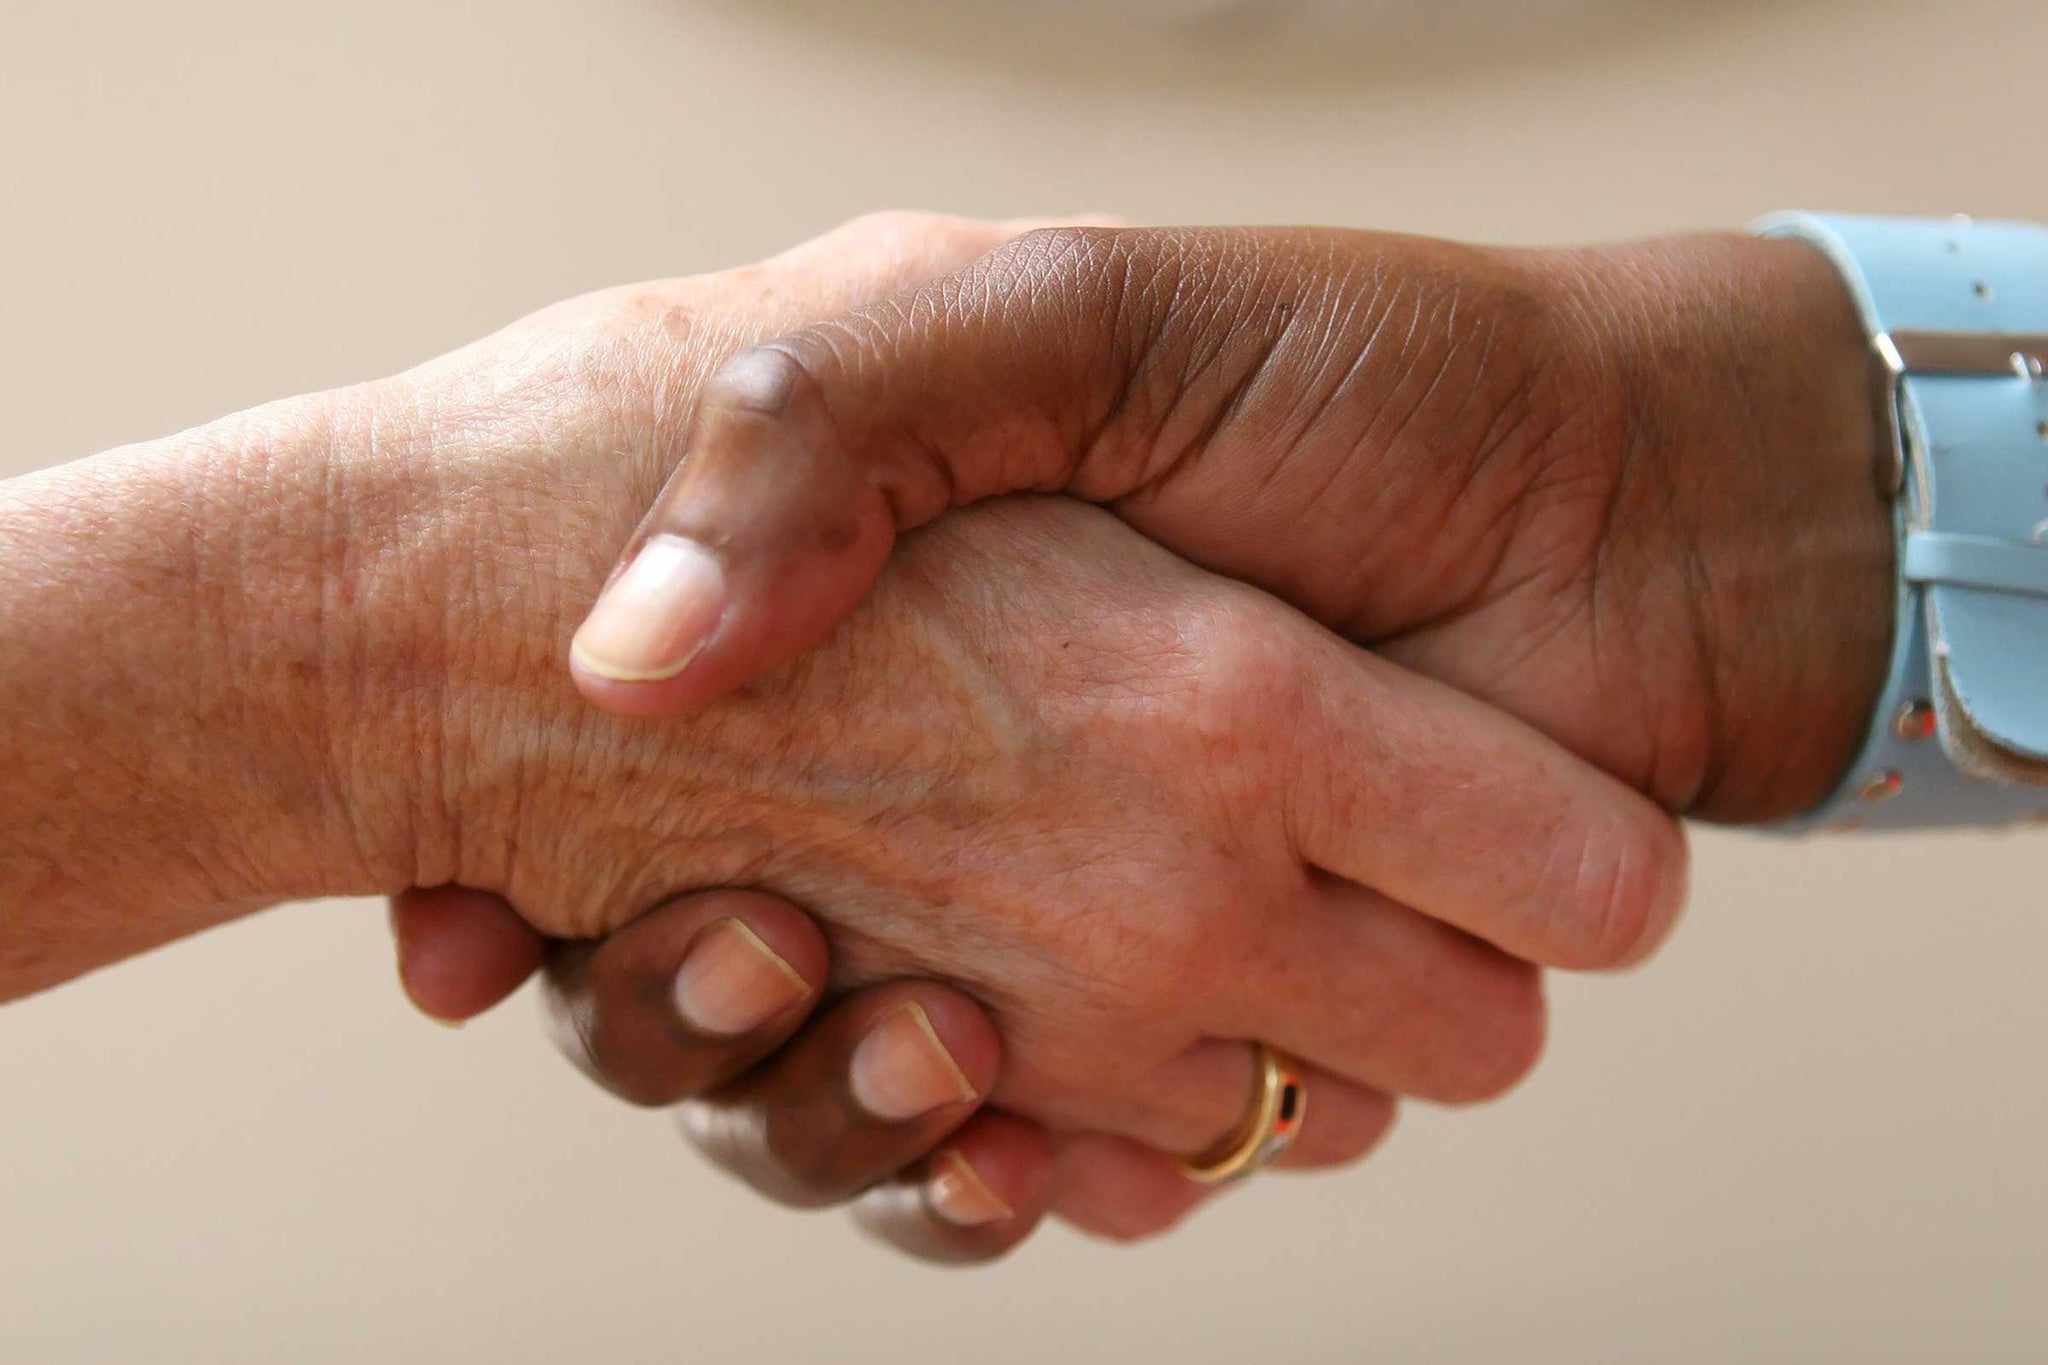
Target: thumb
(1051,365)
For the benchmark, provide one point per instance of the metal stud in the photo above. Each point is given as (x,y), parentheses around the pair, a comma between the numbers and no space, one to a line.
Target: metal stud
(1915,722)
(1882,787)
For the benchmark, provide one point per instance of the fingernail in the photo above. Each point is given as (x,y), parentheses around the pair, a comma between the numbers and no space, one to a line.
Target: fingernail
(732,983)
(901,1069)
(654,618)
(959,1195)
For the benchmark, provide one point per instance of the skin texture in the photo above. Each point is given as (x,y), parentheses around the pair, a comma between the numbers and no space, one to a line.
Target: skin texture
(773,1107)
(1623,493)
(1025,823)
(1139,812)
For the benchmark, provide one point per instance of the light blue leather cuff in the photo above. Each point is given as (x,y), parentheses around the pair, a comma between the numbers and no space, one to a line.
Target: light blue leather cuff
(1957,310)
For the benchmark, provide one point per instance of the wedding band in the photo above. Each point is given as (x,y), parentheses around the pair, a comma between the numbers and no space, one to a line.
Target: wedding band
(1268,1128)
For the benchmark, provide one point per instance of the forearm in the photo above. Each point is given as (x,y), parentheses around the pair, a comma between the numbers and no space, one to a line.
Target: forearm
(315,650)
(162,670)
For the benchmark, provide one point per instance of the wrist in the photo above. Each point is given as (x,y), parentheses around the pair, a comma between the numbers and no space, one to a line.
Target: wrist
(162,675)
(1750,450)
(325,659)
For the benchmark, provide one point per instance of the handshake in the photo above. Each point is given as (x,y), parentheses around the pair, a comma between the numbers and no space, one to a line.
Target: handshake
(1089,708)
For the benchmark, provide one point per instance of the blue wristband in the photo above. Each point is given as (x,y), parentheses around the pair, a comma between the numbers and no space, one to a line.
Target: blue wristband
(1957,311)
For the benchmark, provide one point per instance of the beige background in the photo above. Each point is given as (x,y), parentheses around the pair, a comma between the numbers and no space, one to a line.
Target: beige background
(1812,1130)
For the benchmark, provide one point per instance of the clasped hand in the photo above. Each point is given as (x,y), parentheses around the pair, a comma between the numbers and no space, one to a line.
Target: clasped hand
(1371,684)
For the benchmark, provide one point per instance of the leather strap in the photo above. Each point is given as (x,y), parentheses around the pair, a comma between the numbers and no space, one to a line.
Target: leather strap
(1957,309)
(1947,557)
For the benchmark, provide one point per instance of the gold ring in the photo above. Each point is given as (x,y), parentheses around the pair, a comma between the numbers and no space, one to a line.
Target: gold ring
(1268,1128)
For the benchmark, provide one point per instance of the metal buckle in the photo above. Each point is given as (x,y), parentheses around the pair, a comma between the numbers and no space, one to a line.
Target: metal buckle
(1988,355)
(1982,355)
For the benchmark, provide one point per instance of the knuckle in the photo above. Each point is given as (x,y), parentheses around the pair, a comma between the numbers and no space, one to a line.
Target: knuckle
(1251,669)
(1621,895)
(734,1138)
(809,1174)
(1219,680)
(605,1028)
(751,1142)
(1135,311)
(768,381)
(600,1056)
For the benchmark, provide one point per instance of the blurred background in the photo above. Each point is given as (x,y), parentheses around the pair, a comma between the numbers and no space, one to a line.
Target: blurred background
(1812,1130)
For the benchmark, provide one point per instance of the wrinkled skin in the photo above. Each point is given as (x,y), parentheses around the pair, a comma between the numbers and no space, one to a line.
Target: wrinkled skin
(1621,492)
(1140,812)
(1624,493)
(1102,790)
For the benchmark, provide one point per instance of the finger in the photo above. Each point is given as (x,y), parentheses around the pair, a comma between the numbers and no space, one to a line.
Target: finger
(873,1084)
(1341,1122)
(973,1200)
(1390,999)
(688,995)
(1342,1126)
(1124,1190)
(461,951)
(1191,1103)
(1119,1189)
(810,453)
(1108,1186)
(1459,810)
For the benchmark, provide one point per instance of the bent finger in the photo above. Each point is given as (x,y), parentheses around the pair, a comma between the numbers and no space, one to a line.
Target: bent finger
(687,996)
(1391,999)
(1115,1188)
(973,1200)
(872,1085)
(1194,1100)
(1448,805)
